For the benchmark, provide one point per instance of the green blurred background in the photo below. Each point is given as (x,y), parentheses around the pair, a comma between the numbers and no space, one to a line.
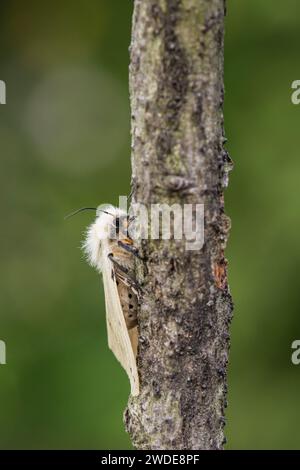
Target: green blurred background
(65,143)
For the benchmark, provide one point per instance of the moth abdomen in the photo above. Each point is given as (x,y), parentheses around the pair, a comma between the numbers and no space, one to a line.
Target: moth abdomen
(129,305)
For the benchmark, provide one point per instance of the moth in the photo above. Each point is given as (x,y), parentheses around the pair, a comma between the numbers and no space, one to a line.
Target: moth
(111,251)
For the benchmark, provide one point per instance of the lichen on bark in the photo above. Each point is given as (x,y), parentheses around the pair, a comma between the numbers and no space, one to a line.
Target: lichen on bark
(178,156)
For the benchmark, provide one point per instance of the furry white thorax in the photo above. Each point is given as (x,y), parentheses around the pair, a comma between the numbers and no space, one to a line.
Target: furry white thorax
(97,238)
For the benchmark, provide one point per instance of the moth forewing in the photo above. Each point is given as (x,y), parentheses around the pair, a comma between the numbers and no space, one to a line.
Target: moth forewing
(122,342)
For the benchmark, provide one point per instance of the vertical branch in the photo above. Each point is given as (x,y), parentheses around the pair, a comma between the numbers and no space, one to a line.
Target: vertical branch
(176,84)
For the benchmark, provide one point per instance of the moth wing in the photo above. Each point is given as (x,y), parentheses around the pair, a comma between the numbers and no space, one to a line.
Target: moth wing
(133,335)
(119,340)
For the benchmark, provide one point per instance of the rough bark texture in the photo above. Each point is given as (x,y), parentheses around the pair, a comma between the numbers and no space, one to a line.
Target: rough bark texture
(176,84)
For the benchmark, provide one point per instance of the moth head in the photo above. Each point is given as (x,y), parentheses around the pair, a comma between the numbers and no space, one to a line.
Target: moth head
(109,224)
(119,226)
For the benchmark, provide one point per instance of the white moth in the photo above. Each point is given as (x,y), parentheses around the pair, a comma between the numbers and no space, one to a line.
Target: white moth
(110,250)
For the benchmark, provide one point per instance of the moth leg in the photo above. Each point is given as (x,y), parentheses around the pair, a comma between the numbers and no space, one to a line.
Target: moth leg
(117,264)
(130,283)
(131,249)
(121,270)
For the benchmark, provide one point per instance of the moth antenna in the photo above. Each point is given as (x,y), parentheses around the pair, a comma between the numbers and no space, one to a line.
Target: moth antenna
(105,212)
(86,209)
(80,210)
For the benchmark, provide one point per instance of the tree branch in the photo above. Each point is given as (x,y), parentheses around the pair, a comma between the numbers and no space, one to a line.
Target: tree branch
(176,84)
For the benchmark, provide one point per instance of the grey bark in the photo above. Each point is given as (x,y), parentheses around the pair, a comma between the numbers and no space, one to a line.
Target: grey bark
(178,156)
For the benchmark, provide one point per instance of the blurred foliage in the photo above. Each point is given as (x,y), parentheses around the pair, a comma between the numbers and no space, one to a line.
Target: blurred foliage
(65,143)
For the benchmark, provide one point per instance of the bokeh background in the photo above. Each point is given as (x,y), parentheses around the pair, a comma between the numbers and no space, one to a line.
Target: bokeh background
(65,143)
